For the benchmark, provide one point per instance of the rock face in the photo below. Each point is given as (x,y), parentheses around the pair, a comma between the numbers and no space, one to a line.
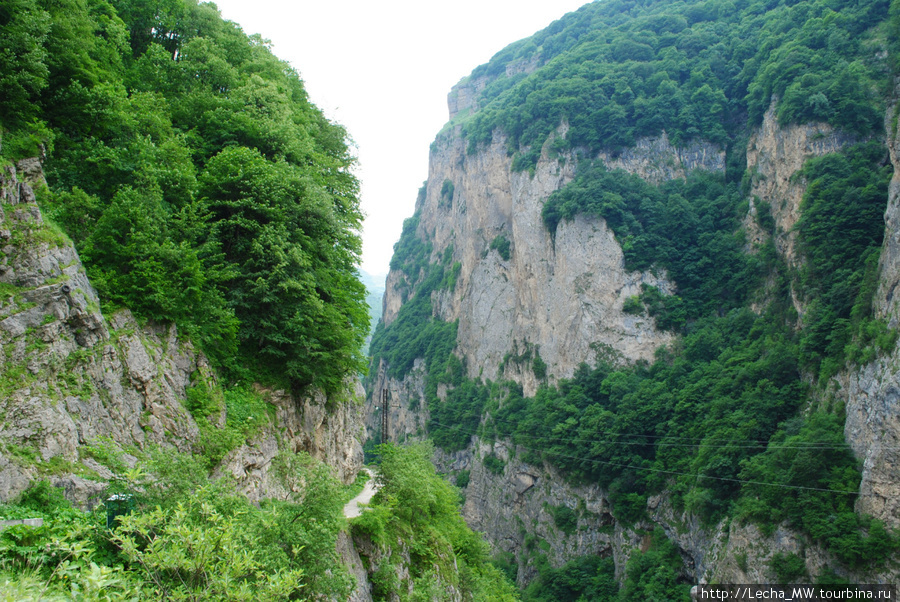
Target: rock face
(407,412)
(872,393)
(328,433)
(563,293)
(775,155)
(464,95)
(563,296)
(657,160)
(516,509)
(74,377)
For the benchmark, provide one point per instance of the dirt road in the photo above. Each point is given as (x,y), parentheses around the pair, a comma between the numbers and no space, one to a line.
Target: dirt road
(352,508)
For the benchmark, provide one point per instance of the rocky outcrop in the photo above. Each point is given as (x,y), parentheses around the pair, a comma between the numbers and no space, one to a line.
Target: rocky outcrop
(887,297)
(347,549)
(563,293)
(872,392)
(657,159)
(775,156)
(328,433)
(73,378)
(407,411)
(517,510)
(562,297)
(560,294)
(464,96)
(383,572)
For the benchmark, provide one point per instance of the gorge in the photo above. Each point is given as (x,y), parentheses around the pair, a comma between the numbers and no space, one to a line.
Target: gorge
(640,333)
(620,322)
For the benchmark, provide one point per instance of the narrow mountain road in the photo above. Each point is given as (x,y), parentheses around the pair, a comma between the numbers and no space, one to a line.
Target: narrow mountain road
(352,508)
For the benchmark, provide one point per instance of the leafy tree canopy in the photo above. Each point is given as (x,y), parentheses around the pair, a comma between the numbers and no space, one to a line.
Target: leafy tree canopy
(197,180)
(619,70)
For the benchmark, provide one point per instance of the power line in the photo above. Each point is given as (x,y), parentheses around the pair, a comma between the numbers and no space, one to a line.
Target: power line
(675,472)
(738,443)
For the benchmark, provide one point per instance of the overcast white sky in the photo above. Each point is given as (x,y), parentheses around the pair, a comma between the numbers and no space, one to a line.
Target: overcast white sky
(383,70)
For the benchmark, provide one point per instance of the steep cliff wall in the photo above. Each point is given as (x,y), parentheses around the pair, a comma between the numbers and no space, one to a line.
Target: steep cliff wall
(519,510)
(565,295)
(72,376)
(775,156)
(872,392)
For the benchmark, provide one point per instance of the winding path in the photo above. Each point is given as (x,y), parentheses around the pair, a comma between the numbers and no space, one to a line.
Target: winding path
(352,509)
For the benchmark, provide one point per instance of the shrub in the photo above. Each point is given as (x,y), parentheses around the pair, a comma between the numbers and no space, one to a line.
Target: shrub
(501,244)
(788,568)
(493,464)
(633,305)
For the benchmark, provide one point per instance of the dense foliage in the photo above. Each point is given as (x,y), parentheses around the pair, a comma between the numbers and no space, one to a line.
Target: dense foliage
(196,179)
(618,70)
(583,578)
(418,511)
(186,539)
(840,231)
(715,419)
(688,227)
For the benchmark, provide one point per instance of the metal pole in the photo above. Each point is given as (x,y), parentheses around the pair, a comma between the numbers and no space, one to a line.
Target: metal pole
(385,435)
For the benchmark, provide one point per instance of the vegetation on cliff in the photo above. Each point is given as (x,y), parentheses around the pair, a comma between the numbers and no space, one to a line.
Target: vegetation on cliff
(707,419)
(619,70)
(190,539)
(196,179)
(415,521)
(732,420)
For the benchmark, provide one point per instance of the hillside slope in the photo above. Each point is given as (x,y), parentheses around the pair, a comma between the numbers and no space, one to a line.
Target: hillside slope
(643,305)
(181,322)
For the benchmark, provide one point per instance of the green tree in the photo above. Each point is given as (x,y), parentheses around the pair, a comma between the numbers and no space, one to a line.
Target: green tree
(300,305)
(23,61)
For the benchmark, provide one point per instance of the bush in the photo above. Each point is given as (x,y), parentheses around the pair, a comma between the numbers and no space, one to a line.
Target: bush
(194,550)
(446,193)
(788,568)
(564,518)
(493,464)
(655,574)
(501,244)
(633,305)
(462,479)
(420,509)
(585,578)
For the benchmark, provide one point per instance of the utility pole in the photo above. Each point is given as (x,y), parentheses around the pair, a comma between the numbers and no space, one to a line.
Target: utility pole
(385,421)
(384,416)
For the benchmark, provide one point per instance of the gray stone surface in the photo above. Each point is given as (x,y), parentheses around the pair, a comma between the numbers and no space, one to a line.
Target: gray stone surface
(566,293)
(88,377)
(563,293)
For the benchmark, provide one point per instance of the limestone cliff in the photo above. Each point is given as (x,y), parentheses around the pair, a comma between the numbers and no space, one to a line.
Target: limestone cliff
(775,156)
(74,377)
(562,293)
(564,296)
(872,392)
